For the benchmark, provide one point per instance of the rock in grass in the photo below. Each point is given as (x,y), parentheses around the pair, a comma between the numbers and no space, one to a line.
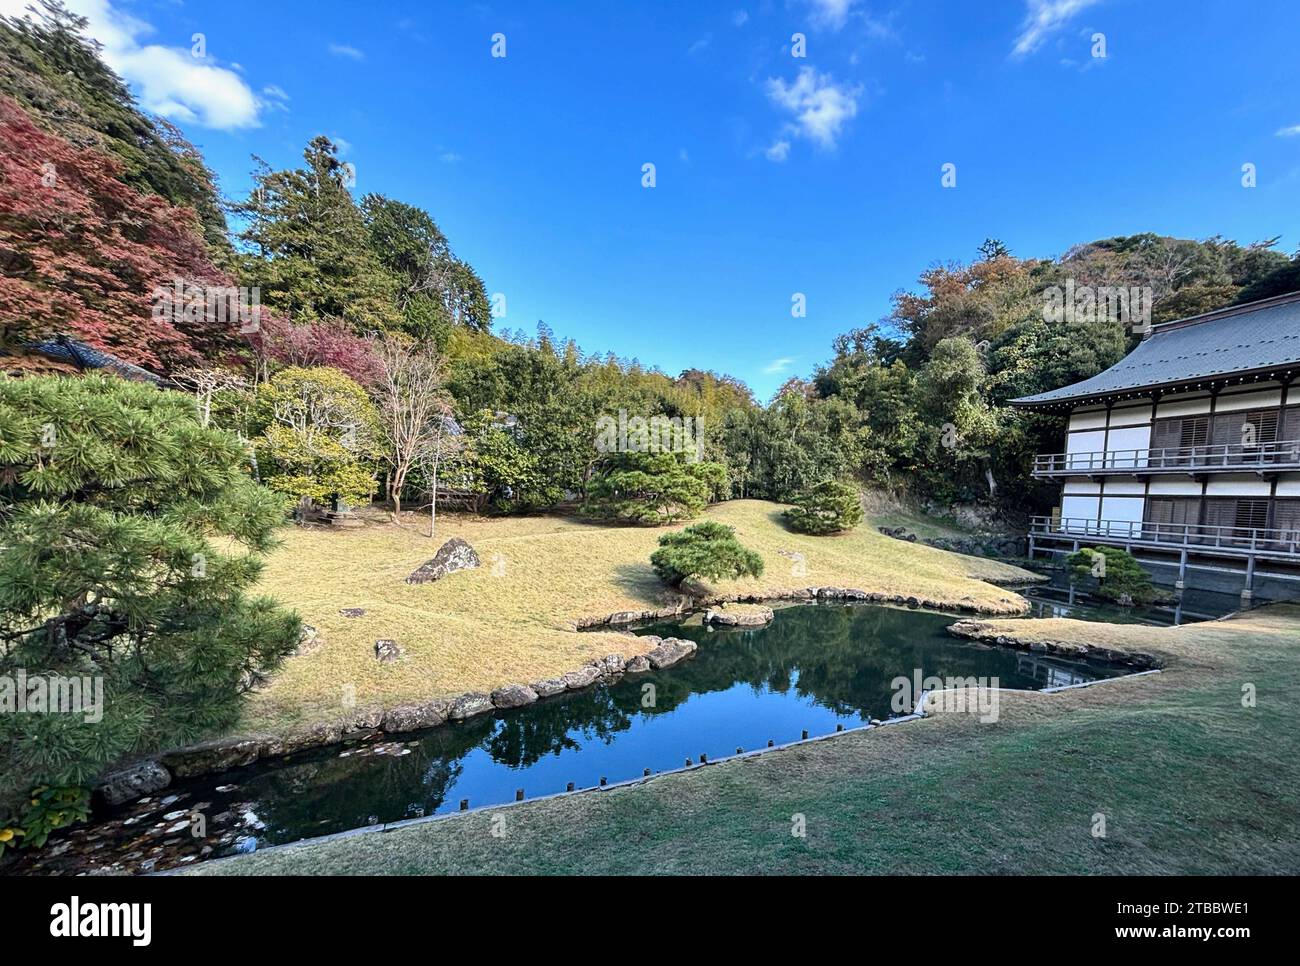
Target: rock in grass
(452,556)
(549,687)
(669,652)
(387,650)
(138,779)
(636,665)
(513,696)
(469,705)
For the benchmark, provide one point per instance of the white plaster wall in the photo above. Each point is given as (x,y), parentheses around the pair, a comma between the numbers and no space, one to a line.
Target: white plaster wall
(1238,485)
(1267,399)
(1078,506)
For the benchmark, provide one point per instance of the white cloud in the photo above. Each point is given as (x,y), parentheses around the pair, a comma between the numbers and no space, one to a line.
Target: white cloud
(778,365)
(1044,18)
(1289,132)
(831,13)
(169,81)
(740,18)
(819,106)
(344,50)
(700,44)
(778,151)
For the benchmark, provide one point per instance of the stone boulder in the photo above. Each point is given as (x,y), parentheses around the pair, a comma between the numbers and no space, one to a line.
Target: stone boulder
(609,666)
(413,717)
(669,652)
(469,705)
(316,736)
(210,756)
(387,651)
(549,687)
(750,616)
(635,665)
(133,781)
(309,640)
(513,696)
(581,678)
(452,556)
(367,719)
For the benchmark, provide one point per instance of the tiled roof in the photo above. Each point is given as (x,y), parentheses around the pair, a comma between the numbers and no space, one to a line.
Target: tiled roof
(1244,339)
(86,357)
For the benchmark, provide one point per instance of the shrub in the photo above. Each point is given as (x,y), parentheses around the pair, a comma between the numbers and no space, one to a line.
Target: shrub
(1117,572)
(654,488)
(828,507)
(709,550)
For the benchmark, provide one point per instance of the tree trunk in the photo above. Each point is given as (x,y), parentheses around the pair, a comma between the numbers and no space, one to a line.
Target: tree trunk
(433,497)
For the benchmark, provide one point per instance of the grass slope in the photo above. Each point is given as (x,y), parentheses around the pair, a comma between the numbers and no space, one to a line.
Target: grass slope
(513,618)
(1188,779)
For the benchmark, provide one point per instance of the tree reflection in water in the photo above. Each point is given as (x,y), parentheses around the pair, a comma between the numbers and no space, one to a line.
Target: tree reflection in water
(813,667)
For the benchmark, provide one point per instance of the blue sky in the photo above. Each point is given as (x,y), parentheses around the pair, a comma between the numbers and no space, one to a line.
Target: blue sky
(775,175)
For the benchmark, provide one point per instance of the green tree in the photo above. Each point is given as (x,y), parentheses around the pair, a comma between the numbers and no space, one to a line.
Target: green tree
(307,248)
(828,507)
(709,550)
(435,289)
(1117,573)
(320,435)
(653,488)
(130,537)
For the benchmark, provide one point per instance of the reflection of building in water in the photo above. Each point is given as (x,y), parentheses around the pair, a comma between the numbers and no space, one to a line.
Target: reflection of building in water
(1047,672)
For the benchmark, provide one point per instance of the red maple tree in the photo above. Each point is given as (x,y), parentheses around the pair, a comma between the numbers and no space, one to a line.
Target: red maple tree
(82,254)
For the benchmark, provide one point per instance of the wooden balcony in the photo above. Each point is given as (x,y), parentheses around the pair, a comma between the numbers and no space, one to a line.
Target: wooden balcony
(1241,542)
(1262,458)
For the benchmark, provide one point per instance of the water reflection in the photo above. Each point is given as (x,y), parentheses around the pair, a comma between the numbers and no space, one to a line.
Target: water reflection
(813,668)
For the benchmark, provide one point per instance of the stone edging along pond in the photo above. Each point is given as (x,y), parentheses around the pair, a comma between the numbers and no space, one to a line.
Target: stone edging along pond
(147,775)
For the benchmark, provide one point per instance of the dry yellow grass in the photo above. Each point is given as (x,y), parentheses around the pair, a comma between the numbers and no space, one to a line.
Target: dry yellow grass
(514,618)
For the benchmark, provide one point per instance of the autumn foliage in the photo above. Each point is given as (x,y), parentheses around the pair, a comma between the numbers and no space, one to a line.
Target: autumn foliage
(81,253)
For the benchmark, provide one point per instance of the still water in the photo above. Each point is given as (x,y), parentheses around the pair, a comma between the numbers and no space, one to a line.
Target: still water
(814,667)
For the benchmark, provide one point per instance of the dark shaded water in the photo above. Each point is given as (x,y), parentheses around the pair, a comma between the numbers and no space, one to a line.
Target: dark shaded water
(814,667)
(1059,598)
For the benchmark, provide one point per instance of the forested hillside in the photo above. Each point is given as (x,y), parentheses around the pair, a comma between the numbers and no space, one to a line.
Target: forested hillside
(110,217)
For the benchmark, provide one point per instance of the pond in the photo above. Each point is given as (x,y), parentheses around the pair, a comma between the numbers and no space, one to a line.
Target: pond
(1060,598)
(813,668)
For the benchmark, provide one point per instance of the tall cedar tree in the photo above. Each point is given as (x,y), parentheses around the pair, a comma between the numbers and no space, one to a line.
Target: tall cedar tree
(129,539)
(307,247)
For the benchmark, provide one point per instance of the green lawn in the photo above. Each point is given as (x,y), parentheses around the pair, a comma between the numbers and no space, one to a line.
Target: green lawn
(513,619)
(1188,780)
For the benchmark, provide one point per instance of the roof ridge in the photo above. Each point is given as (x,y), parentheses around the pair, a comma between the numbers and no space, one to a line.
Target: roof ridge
(1226,312)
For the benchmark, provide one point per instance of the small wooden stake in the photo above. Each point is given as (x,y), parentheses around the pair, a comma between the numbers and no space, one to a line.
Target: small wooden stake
(805,734)
(570,787)
(519,795)
(464,804)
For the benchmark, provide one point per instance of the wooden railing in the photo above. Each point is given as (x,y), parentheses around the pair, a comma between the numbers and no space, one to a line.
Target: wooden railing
(1280,454)
(1193,536)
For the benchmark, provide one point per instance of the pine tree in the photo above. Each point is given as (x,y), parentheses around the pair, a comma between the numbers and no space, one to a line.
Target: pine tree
(129,539)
